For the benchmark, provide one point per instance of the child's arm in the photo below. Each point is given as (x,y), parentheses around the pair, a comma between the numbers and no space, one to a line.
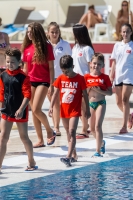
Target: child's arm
(51,72)
(88,89)
(1,93)
(0,104)
(85,95)
(19,112)
(104,92)
(56,93)
(25,68)
(112,71)
(26,91)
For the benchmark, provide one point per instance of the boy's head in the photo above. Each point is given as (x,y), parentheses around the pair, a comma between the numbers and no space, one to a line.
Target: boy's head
(13,58)
(66,64)
(97,61)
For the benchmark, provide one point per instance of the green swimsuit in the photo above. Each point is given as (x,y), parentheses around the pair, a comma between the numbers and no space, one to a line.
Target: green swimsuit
(95,105)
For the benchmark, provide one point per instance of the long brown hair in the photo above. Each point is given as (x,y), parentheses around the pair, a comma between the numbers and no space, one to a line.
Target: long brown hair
(39,40)
(121,11)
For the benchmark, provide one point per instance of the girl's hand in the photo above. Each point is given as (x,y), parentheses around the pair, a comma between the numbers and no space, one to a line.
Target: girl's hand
(96,88)
(87,114)
(50,90)
(50,112)
(19,114)
(111,79)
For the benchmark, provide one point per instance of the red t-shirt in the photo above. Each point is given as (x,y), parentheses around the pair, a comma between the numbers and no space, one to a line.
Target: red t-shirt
(37,72)
(70,94)
(102,81)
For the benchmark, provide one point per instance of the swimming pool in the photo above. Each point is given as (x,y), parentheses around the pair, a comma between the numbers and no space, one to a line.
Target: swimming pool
(109,180)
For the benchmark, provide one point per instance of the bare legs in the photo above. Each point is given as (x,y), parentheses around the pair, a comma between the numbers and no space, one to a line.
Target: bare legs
(89,19)
(95,121)
(56,114)
(70,125)
(23,132)
(38,96)
(4,136)
(122,99)
(83,118)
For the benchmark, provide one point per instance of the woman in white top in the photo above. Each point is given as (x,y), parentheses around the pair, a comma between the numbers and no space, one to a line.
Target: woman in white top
(60,48)
(82,53)
(122,66)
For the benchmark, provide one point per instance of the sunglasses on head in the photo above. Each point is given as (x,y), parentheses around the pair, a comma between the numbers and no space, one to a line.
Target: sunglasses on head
(124,4)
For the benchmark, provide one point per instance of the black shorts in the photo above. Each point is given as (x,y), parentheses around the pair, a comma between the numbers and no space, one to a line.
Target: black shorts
(36,84)
(121,84)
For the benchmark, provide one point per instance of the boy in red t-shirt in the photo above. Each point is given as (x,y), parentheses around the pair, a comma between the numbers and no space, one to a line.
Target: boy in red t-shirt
(99,86)
(71,87)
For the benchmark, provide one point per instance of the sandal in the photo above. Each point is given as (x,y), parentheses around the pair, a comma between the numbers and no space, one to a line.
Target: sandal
(102,150)
(88,131)
(51,140)
(32,168)
(58,133)
(130,122)
(96,155)
(123,130)
(82,136)
(38,145)
(73,160)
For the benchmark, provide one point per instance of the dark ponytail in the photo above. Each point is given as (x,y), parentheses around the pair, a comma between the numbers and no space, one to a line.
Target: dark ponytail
(129,26)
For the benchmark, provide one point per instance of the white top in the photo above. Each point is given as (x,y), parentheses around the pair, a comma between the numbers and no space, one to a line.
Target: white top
(62,48)
(82,55)
(123,54)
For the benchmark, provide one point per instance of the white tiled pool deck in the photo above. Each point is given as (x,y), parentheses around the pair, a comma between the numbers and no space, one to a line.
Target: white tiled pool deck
(48,158)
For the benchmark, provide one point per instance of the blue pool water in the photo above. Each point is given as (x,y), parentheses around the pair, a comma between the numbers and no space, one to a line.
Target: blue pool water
(109,180)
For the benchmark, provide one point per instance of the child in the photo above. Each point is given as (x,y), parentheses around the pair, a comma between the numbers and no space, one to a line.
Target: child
(122,68)
(71,87)
(99,86)
(60,48)
(38,60)
(82,53)
(15,93)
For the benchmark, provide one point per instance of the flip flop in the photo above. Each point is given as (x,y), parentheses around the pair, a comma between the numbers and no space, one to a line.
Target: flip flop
(82,136)
(32,168)
(130,122)
(102,150)
(58,133)
(51,140)
(97,155)
(39,145)
(73,160)
(123,131)
(88,131)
